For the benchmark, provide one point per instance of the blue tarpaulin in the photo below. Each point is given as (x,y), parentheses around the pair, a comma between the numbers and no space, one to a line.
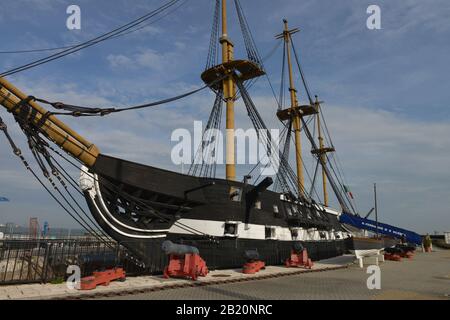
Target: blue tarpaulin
(383,228)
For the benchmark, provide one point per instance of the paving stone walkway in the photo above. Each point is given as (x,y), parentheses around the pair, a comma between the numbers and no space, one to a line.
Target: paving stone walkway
(141,285)
(425,277)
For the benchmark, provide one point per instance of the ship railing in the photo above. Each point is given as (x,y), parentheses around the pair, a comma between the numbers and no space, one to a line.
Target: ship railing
(47,260)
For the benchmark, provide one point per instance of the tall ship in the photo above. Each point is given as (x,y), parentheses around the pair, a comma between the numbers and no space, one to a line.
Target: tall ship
(141,206)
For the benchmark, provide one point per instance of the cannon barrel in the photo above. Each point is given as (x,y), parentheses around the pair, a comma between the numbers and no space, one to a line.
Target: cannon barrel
(263,185)
(254,193)
(297,247)
(54,129)
(105,259)
(393,250)
(251,255)
(178,249)
(406,247)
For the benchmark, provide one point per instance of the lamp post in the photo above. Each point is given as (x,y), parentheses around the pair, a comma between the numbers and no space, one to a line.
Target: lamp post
(376,206)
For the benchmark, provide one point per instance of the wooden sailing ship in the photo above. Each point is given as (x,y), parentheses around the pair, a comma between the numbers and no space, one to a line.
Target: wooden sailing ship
(141,206)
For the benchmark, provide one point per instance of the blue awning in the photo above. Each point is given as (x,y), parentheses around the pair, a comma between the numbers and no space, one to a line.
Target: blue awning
(383,228)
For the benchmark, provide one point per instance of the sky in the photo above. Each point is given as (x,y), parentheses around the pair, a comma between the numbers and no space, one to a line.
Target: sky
(386,91)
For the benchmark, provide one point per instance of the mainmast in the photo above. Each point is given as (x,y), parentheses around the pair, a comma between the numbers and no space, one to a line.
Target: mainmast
(297,112)
(293,113)
(229,90)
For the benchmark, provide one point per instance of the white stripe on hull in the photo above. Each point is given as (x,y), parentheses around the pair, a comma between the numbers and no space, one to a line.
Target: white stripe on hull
(254,231)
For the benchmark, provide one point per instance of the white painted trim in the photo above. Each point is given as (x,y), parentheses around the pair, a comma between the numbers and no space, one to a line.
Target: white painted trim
(252,231)
(95,191)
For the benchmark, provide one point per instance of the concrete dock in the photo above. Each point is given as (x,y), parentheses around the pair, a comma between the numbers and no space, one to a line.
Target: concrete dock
(427,276)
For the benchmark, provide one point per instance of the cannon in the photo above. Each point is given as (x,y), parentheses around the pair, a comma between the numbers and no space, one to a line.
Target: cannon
(253,264)
(393,254)
(251,255)
(408,250)
(393,250)
(184,261)
(297,247)
(171,248)
(406,247)
(299,257)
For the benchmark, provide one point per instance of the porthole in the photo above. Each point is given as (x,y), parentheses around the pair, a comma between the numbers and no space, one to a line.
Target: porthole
(231,229)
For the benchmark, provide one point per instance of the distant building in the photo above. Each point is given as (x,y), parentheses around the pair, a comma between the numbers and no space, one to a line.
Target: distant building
(447,237)
(14,231)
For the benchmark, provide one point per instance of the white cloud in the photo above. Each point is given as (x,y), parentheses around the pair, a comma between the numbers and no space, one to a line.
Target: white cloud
(118,61)
(151,59)
(145,58)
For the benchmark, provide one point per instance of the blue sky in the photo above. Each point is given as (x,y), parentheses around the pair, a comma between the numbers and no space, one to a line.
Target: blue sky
(386,91)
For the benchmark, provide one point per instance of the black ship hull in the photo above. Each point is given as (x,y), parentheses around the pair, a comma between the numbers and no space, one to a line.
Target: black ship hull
(142,206)
(229,253)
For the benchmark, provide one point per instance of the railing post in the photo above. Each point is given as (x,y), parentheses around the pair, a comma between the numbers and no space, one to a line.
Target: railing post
(48,250)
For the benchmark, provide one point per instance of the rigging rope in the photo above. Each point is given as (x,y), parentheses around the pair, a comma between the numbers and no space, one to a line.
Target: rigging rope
(248,85)
(300,69)
(213,51)
(314,179)
(332,181)
(252,51)
(207,167)
(285,172)
(76,217)
(80,43)
(38,147)
(79,111)
(91,42)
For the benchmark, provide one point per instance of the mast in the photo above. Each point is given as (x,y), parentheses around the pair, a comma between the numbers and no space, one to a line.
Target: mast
(226,77)
(229,89)
(296,114)
(294,110)
(323,160)
(322,153)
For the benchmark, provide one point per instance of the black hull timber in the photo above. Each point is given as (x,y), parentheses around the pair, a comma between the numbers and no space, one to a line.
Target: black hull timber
(137,205)
(229,253)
